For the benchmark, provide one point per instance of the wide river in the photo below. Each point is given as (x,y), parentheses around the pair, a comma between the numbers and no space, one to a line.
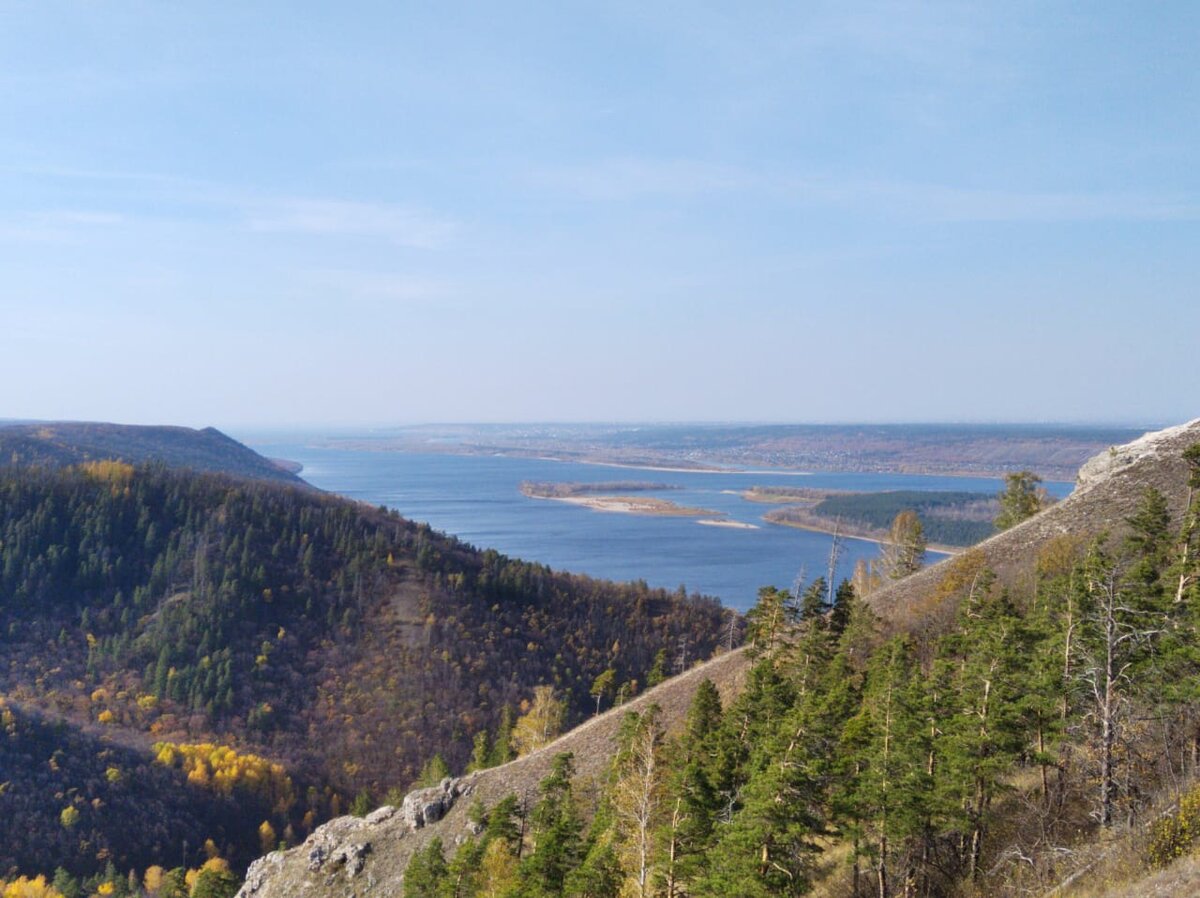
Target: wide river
(477,499)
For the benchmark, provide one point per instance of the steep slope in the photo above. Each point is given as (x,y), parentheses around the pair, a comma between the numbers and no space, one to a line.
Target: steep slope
(67,785)
(344,642)
(1108,489)
(61,443)
(369,856)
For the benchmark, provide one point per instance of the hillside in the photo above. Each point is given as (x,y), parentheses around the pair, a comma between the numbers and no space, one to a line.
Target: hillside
(340,642)
(388,840)
(1108,488)
(962,741)
(62,443)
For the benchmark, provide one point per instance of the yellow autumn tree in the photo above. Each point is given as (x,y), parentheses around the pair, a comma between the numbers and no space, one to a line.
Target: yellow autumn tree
(541,723)
(152,880)
(266,837)
(498,870)
(24,887)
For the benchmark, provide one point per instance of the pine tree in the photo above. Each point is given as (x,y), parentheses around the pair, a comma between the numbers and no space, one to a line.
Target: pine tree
(690,800)
(557,828)
(215,884)
(767,848)
(1021,498)
(989,654)
(426,872)
(599,875)
(885,755)
(502,750)
(771,617)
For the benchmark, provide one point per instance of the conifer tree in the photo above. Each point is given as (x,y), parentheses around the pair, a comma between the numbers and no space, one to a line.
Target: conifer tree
(426,872)
(989,654)
(557,843)
(1021,498)
(691,800)
(885,798)
(771,617)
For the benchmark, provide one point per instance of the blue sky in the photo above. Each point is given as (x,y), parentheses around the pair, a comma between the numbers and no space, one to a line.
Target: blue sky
(301,213)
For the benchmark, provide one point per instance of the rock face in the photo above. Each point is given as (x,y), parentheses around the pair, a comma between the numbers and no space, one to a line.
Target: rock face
(367,856)
(1142,450)
(336,854)
(426,806)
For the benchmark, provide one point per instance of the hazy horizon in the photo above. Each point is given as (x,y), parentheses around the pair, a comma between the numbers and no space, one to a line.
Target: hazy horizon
(874,211)
(384,426)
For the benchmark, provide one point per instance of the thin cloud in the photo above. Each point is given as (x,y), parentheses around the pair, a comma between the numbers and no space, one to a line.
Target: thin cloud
(393,224)
(948,203)
(181,198)
(628,179)
(55,225)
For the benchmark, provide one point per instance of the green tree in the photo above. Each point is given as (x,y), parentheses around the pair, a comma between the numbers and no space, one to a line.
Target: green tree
(174,884)
(66,884)
(556,832)
(1021,498)
(770,618)
(598,876)
(885,754)
(481,752)
(990,658)
(603,686)
(426,872)
(215,884)
(502,747)
(434,771)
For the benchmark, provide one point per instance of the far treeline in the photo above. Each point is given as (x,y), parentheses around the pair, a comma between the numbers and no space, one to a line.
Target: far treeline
(983,748)
(947,517)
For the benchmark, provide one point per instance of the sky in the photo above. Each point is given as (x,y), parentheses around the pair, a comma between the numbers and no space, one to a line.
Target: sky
(295,214)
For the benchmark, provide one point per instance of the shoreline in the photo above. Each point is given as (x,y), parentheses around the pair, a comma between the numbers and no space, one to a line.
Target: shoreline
(846,534)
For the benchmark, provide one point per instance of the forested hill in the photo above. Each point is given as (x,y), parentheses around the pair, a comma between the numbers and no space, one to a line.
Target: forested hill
(339,641)
(1022,720)
(62,443)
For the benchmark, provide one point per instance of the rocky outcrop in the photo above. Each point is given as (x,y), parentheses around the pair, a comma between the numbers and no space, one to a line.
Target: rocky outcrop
(426,806)
(1108,489)
(337,853)
(367,856)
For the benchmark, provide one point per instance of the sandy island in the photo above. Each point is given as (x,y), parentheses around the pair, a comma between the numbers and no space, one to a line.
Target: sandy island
(633,505)
(586,494)
(737,525)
